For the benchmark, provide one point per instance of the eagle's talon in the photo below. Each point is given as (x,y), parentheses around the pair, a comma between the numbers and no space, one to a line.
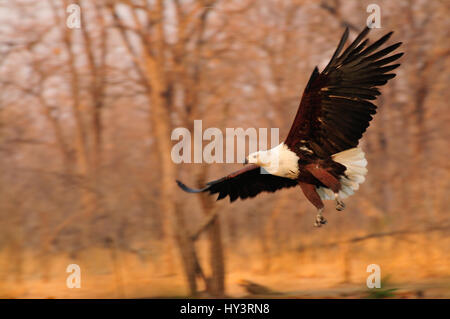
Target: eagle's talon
(320,220)
(340,206)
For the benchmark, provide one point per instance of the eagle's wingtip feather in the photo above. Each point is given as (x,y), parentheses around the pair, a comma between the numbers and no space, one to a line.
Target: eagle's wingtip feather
(190,190)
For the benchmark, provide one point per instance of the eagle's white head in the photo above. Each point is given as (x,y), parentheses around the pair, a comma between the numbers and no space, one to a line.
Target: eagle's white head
(280,161)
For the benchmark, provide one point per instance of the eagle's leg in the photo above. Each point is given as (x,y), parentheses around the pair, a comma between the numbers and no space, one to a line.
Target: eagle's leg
(311,194)
(329,181)
(325,177)
(340,206)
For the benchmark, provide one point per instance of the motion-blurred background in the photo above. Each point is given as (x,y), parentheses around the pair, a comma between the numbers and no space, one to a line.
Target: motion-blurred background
(86,177)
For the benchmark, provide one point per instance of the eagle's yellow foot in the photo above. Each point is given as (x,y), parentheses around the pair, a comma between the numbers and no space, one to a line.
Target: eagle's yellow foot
(320,220)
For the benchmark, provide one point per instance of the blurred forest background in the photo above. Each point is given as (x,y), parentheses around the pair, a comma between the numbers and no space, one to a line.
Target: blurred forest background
(85,170)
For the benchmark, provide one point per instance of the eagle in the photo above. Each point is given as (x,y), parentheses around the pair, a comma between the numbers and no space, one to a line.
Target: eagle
(321,153)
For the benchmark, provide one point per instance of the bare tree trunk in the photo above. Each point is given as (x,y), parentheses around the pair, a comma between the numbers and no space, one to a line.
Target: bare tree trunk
(81,147)
(187,250)
(216,255)
(269,240)
(151,69)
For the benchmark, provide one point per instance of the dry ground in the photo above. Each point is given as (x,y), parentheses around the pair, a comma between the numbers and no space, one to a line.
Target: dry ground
(416,266)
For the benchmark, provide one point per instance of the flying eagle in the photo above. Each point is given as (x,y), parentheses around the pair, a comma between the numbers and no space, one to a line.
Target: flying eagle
(321,153)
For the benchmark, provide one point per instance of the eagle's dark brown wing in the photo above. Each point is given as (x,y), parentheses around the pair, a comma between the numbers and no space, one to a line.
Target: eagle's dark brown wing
(335,109)
(244,183)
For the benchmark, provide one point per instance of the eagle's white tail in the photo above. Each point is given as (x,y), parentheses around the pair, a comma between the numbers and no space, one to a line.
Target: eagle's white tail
(355,162)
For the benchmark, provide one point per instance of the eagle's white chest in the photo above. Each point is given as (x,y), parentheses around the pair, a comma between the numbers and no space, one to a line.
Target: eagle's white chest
(280,161)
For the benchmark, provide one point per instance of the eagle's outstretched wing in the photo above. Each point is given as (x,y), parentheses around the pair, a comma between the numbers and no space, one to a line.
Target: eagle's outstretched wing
(335,109)
(244,183)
